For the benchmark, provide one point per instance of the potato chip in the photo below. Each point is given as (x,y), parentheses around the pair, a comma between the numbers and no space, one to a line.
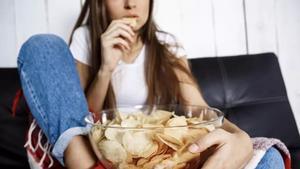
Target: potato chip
(176,132)
(139,116)
(155,160)
(177,121)
(132,21)
(138,144)
(158,117)
(169,141)
(178,160)
(142,161)
(114,133)
(105,162)
(154,126)
(162,148)
(193,120)
(118,117)
(112,151)
(127,166)
(165,164)
(209,127)
(97,134)
(151,151)
(130,122)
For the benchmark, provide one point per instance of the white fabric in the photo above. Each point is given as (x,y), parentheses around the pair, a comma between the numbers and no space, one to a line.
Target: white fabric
(33,160)
(33,164)
(257,156)
(128,80)
(80,46)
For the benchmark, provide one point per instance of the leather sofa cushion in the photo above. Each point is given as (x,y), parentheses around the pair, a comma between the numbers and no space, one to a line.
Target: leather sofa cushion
(12,129)
(250,90)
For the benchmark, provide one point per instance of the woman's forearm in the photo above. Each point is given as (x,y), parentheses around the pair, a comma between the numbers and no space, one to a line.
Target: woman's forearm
(97,91)
(79,154)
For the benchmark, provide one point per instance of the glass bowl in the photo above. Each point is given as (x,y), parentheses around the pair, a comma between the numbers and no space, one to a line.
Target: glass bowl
(149,137)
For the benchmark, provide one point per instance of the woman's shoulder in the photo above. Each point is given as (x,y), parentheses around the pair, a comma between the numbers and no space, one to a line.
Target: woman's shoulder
(80,46)
(173,44)
(166,38)
(82,32)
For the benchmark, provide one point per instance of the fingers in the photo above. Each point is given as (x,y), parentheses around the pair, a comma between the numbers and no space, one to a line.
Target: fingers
(118,34)
(117,42)
(119,24)
(118,37)
(216,137)
(120,21)
(121,43)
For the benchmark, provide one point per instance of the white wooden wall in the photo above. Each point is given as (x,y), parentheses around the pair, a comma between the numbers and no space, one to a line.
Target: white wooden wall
(206,28)
(19,19)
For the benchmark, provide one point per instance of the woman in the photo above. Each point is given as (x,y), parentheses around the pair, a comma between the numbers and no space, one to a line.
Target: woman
(128,58)
(118,49)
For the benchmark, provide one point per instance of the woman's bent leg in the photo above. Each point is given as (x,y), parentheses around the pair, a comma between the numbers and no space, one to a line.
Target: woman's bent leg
(271,160)
(52,90)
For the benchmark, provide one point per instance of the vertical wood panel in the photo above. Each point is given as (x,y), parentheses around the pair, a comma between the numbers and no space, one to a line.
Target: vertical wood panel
(229,26)
(62,16)
(7,34)
(168,16)
(30,19)
(82,2)
(288,21)
(197,28)
(261,26)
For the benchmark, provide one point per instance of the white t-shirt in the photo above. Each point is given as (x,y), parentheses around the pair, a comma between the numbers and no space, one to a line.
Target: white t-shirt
(128,79)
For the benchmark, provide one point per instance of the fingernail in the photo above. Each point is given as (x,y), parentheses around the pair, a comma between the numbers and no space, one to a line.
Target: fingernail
(193,148)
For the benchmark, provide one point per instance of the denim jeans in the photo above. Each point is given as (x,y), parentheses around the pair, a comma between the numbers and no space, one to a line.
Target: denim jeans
(271,160)
(52,90)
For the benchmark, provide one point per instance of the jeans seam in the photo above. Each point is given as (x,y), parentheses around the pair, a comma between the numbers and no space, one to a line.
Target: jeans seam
(33,96)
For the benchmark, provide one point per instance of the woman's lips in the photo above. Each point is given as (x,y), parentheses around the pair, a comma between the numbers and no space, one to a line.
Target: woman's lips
(132,16)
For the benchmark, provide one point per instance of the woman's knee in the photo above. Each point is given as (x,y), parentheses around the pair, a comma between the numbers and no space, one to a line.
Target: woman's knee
(41,46)
(272,160)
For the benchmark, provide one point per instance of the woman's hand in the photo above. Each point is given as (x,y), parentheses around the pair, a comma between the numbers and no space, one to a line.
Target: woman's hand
(230,150)
(114,41)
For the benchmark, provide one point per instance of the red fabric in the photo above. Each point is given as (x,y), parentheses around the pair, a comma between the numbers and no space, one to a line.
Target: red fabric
(16,100)
(99,166)
(38,154)
(287,162)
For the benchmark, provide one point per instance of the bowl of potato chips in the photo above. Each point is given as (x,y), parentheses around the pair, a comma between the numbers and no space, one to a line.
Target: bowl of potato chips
(150,137)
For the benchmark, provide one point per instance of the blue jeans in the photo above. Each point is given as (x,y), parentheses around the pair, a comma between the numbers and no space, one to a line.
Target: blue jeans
(52,90)
(271,160)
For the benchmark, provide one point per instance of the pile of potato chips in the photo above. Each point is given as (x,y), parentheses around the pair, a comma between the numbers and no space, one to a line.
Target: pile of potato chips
(156,141)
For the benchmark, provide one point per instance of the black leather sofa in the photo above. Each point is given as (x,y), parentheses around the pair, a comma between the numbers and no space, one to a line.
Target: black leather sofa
(249,89)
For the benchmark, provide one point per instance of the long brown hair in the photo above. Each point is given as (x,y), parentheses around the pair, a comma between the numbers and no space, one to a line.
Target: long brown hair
(160,64)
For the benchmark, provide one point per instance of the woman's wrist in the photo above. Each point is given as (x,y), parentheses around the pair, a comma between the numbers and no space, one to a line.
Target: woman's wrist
(104,72)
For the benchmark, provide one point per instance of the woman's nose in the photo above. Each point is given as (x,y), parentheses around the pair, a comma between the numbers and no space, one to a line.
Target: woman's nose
(129,4)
